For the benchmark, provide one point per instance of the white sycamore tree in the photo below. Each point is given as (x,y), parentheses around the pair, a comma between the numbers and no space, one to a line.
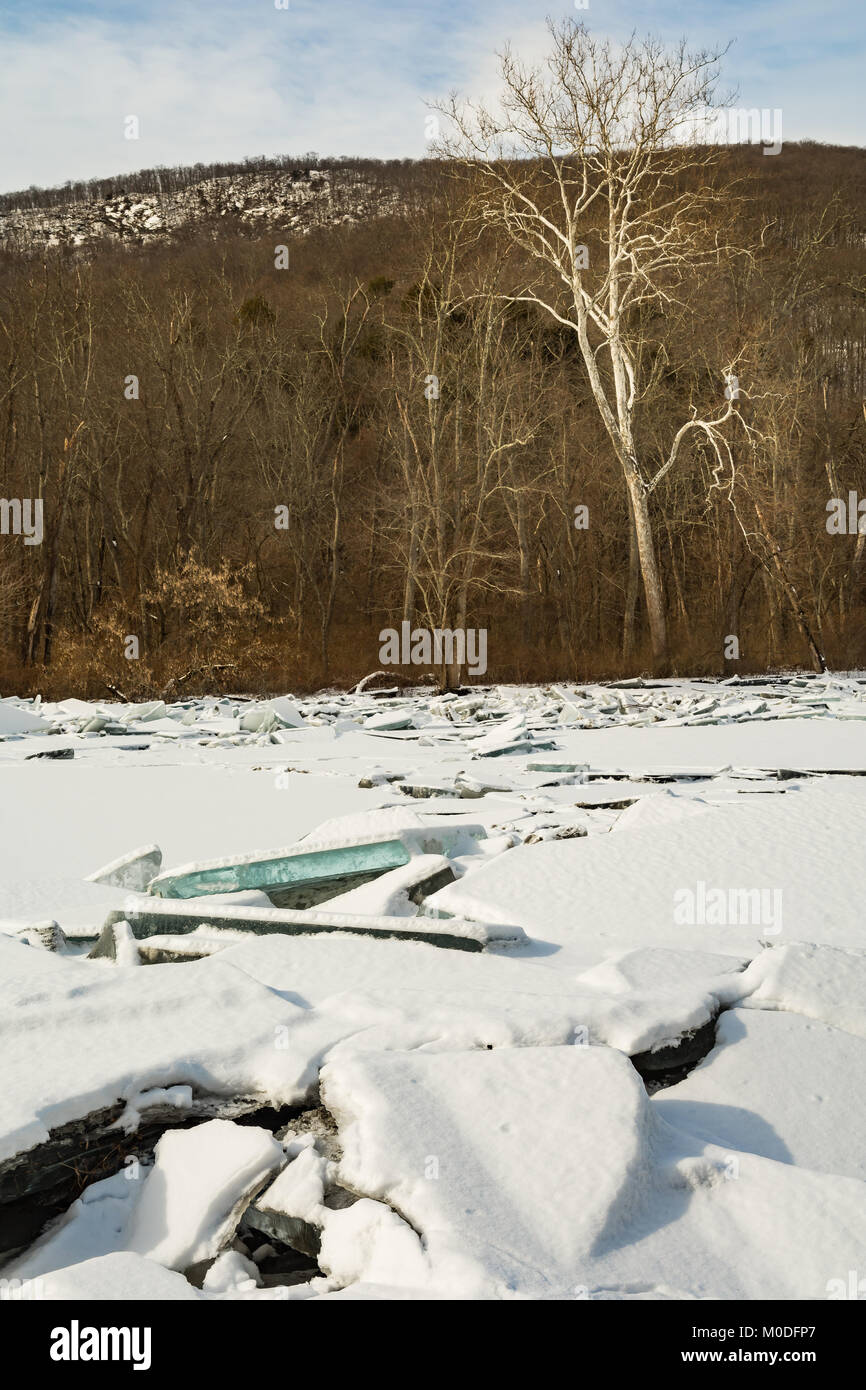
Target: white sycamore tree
(597,167)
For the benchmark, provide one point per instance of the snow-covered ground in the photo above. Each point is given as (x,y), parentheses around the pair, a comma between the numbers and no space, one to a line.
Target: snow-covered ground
(531,992)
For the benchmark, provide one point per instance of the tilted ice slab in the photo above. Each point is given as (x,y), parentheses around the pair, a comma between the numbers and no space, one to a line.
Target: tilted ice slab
(274,714)
(321,857)
(545,1172)
(771,1086)
(280,869)
(158,916)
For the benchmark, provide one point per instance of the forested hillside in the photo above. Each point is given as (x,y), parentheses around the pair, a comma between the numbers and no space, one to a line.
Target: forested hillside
(273,426)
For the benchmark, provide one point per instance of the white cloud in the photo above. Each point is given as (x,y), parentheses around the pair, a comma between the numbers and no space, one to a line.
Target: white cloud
(224,79)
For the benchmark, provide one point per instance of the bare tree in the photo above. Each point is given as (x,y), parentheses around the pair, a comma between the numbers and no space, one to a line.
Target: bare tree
(461,418)
(593,167)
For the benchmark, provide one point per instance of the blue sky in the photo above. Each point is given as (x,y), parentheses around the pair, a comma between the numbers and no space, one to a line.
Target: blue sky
(219,79)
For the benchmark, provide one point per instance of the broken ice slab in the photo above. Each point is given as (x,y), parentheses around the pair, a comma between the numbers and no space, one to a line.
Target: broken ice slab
(423,791)
(380,779)
(399,893)
(275,714)
(141,714)
(95,725)
(520,743)
(561,832)
(259,721)
(160,918)
(293,1212)
(316,869)
(600,798)
(658,774)
(16,720)
(134,870)
(318,874)
(472,787)
(116,943)
(667,1063)
(173,949)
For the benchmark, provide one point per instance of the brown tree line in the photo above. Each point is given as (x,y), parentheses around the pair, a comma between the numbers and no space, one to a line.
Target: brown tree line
(163,180)
(252,470)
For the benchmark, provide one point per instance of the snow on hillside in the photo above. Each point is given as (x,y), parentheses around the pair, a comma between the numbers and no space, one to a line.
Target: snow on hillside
(522,992)
(293,201)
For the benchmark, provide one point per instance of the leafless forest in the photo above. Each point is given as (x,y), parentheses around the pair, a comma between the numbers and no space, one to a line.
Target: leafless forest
(254,459)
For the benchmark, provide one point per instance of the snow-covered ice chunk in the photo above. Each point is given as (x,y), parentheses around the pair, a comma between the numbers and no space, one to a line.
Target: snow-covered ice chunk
(388,721)
(120,1275)
(178,1096)
(540,1147)
(822,982)
(555,1176)
(287,711)
(660,808)
(116,1033)
(653,968)
(15,720)
(770,1087)
(142,714)
(193,1196)
(231,1272)
(605,893)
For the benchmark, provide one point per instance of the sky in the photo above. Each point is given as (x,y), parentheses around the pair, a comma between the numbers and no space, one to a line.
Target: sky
(220,79)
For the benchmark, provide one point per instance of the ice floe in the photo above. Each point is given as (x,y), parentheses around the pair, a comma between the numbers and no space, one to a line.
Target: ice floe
(546,992)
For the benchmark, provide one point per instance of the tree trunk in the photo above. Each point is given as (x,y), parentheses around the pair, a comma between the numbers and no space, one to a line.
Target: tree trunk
(650,573)
(631,593)
(818,662)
